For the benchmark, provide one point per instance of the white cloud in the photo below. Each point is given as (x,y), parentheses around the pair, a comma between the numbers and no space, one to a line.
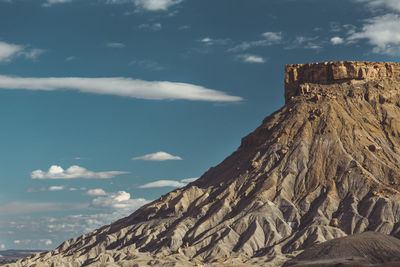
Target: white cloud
(210,41)
(168,183)
(248,58)
(391,4)
(155,5)
(119,86)
(10,51)
(152,27)
(57,188)
(47,242)
(2,246)
(206,40)
(158,156)
(189,180)
(163,183)
(273,37)
(17,242)
(96,192)
(49,3)
(382,32)
(73,172)
(33,53)
(115,45)
(119,200)
(150,5)
(305,42)
(269,38)
(337,40)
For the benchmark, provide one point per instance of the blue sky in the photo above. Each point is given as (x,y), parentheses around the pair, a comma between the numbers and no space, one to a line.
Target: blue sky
(107,104)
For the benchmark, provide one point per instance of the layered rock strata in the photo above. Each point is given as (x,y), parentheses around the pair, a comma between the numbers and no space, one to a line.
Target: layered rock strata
(298,76)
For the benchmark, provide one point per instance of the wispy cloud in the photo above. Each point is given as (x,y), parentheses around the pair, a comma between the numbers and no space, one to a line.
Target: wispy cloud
(390,4)
(268,39)
(189,180)
(168,183)
(273,37)
(9,51)
(305,42)
(156,5)
(121,87)
(158,156)
(151,27)
(115,45)
(96,192)
(149,5)
(73,172)
(119,200)
(57,188)
(382,32)
(210,41)
(249,58)
(337,40)
(49,3)
(33,54)
(70,58)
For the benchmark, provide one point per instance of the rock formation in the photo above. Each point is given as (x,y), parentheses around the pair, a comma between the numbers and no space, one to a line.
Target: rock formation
(324,166)
(361,250)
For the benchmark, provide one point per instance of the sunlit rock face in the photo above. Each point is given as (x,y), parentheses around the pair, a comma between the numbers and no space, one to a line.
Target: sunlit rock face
(324,166)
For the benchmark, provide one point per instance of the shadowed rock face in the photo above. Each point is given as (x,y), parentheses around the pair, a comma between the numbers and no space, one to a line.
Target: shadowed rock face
(365,249)
(324,166)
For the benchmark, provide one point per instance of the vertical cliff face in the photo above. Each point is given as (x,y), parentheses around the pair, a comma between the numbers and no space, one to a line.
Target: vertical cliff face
(326,165)
(299,76)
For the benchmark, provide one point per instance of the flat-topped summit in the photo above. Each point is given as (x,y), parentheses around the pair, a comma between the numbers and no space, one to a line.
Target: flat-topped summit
(334,72)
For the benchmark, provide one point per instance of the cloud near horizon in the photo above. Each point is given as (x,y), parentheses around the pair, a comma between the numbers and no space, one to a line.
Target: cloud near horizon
(73,172)
(158,156)
(119,86)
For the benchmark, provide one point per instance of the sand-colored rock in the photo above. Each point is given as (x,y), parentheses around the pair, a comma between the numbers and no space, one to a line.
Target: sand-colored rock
(324,166)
